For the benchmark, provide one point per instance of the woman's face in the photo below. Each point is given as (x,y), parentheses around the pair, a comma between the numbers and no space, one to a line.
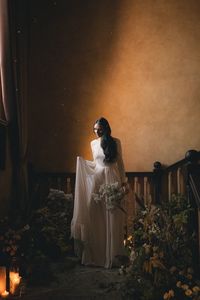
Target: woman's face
(98,130)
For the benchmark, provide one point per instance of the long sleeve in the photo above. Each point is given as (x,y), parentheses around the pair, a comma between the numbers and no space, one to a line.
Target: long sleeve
(120,162)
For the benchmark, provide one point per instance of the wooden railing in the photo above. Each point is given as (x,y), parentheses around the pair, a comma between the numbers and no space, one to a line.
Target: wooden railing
(182,177)
(158,185)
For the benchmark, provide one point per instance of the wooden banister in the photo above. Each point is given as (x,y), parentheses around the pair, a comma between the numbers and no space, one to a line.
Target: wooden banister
(182,177)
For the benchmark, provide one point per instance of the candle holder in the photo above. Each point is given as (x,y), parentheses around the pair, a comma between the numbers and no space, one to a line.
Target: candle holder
(2,279)
(15,279)
(11,284)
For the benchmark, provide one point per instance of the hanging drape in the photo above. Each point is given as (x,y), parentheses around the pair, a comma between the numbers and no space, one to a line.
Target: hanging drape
(3,124)
(5,62)
(14,74)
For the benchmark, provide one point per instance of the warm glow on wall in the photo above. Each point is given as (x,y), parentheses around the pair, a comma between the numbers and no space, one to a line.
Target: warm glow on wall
(134,62)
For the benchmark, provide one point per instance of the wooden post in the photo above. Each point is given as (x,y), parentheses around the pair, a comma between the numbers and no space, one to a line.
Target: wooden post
(193,195)
(169,185)
(157,180)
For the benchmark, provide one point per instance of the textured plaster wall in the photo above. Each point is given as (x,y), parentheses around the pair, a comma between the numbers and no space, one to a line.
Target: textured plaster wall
(135,62)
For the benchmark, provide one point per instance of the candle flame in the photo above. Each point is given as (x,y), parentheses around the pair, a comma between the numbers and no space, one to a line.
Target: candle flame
(2,279)
(14,281)
(4,294)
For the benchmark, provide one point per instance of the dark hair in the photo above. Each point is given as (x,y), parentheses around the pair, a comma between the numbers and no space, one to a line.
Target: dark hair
(108,143)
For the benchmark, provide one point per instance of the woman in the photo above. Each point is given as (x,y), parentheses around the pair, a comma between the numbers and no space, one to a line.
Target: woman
(97,231)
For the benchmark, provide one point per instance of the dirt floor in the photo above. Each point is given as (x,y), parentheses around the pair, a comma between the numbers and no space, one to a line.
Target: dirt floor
(73,281)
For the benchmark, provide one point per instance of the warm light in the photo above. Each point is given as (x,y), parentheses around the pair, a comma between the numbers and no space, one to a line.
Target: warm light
(14,281)
(2,279)
(129,238)
(4,294)
(128,242)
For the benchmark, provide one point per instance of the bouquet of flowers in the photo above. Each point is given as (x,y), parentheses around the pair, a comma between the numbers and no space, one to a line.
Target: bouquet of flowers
(111,194)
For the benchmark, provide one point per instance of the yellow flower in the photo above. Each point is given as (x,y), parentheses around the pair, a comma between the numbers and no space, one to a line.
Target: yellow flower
(178,284)
(173,269)
(181,272)
(190,270)
(188,292)
(147,248)
(161,254)
(129,238)
(155,248)
(189,276)
(196,289)
(166,296)
(185,287)
(171,293)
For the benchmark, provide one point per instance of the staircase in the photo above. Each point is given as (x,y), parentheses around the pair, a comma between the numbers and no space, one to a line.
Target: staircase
(182,177)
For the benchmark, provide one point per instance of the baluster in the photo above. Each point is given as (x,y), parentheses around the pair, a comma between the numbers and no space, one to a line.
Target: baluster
(145,190)
(148,190)
(49,182)
(136,192)
(169,185)
(139,189)
(135,184)
(178,174)
(69,185)
(157,179)
(59,183)
(182,182)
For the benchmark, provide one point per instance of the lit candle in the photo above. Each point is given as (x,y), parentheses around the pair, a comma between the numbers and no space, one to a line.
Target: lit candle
(4,294)
(14,281)
(2,279)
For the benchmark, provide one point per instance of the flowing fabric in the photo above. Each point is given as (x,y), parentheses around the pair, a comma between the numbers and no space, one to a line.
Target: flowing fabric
(99,232)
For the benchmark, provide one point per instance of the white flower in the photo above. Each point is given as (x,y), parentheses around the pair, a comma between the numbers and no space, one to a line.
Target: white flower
(58,194)
(26,227)
(132,255)
(111,194)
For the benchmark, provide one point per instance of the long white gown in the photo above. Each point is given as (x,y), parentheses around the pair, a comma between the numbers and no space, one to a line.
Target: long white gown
(100,232)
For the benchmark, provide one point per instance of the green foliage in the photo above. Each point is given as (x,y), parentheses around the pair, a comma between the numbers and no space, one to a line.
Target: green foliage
(43,238)
(162,241)
(51,224)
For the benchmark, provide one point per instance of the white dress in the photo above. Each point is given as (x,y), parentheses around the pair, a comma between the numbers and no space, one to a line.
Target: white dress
(100,232)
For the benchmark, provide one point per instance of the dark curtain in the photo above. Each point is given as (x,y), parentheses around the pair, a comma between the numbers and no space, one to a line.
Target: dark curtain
(3,124)
(14,74)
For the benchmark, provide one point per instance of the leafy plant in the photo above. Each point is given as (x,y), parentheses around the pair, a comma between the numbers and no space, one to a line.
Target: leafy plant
(13,234)
(161,242)
(50,224)
(45,236)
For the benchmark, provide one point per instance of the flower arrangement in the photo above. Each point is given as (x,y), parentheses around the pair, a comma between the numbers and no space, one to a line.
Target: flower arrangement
(184,285)
(161,252)
(12,236)
(50,230)
(111,194)
(51,223)
(34,241)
